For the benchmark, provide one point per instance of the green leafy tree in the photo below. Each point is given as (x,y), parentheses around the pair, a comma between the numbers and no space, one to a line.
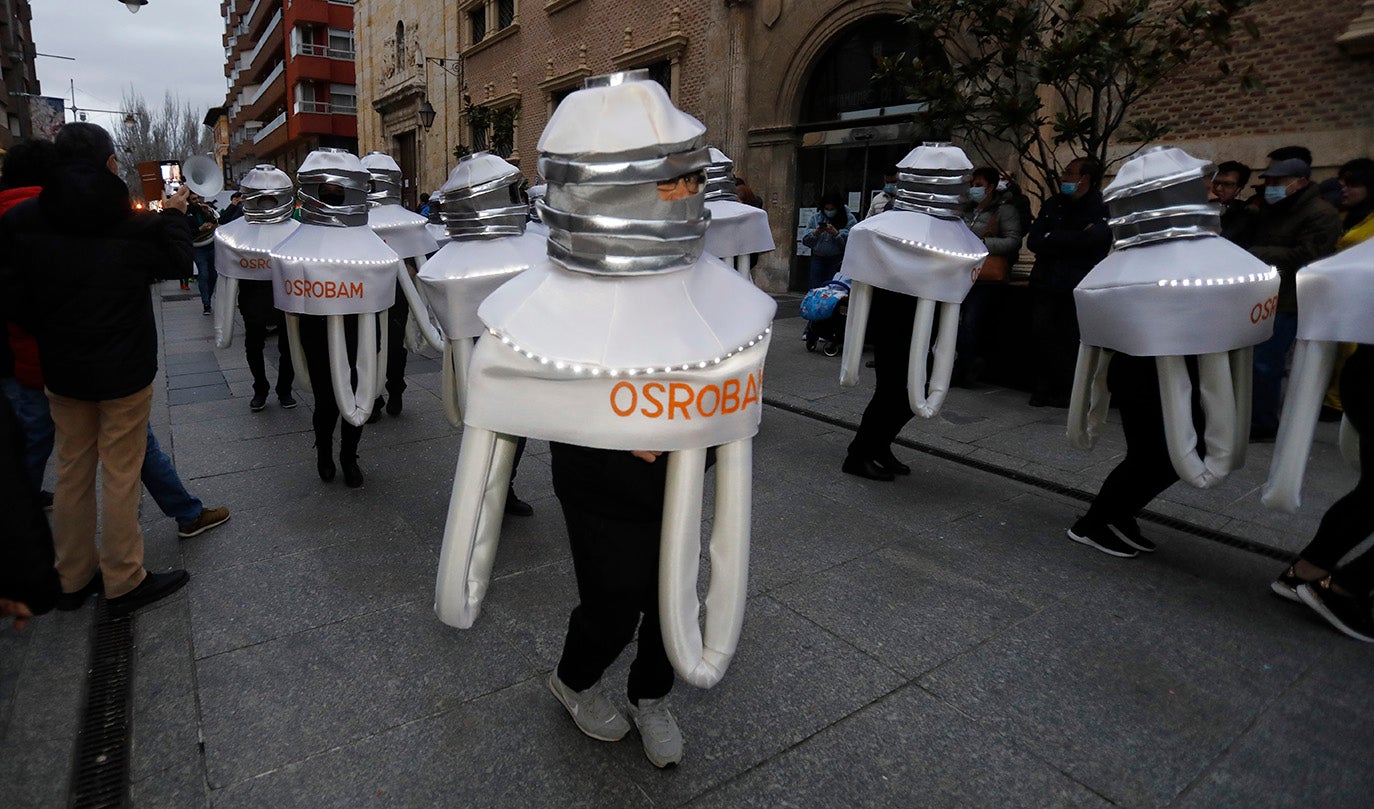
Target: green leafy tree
(1043,79)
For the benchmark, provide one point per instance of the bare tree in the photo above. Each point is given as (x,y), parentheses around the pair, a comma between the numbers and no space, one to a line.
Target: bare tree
(173,131)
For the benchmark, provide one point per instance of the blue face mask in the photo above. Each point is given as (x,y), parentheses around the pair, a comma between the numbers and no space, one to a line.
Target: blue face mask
(890,189)
(1068,188)
(977,193)
(1275,193)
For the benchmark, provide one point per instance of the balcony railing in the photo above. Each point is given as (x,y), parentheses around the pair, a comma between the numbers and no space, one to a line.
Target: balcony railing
(272,126)
(264,39)
(311,49)
(325,108)
(267,83)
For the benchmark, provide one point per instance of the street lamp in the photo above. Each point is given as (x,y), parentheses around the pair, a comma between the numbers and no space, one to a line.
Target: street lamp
(134,5)
(426,113)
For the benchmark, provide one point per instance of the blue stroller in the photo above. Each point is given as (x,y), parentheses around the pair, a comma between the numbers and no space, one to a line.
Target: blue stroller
(825,309)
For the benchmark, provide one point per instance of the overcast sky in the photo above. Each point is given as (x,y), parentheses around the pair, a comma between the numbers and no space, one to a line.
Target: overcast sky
(168,45)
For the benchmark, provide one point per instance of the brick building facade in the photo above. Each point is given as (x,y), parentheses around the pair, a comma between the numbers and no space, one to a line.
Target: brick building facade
(784,87)
(18,79)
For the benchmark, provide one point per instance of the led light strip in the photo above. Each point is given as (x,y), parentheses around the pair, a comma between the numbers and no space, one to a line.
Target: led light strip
(597,370)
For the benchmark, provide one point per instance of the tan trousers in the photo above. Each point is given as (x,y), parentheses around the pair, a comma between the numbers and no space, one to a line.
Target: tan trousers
(115,433)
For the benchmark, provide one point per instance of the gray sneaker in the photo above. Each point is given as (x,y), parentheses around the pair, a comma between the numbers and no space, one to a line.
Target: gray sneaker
(658,731)
(593,713)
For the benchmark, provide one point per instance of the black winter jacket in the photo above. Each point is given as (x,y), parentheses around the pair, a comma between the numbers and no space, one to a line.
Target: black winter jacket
(76,264)
(1069,238)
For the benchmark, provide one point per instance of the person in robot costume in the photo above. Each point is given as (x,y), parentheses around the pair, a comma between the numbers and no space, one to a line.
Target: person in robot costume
(737,231)
(336,280)
(408,235)
(1168,321)
(1335,296)
(633,354)
(488,244)
(242,250)
(905,263)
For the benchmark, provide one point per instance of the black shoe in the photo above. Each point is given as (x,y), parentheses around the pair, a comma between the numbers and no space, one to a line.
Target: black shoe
(288,401)
(324,464)
(1263,436)
(153,588)
(257,403)
(393,405)
(1101,538)
(891,464)
(353,476)
(517,507)
(865,469)
(1129,532)
(1347,612)
(75,601)
(1287,584)
(376,411)
(206,312)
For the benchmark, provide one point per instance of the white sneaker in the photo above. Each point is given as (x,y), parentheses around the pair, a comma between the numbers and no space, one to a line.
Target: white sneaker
(590,710)
(658,731)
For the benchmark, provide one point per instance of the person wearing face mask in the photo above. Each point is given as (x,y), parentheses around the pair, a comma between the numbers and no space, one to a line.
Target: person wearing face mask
(1293,228)
(1069,238)
(826,235)
(1357,220)
(882,200)
(992,216)
(1237,216)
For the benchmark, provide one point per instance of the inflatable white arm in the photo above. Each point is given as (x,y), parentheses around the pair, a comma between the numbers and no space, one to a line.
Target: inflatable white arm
(418,310)
(473,528)
(457,358)
(223,306)
(927,404)
(1307,384)
(293,337)
(1090,399)
(742,267)
(702,660)
(354,405)
(860,303)
(1220,407)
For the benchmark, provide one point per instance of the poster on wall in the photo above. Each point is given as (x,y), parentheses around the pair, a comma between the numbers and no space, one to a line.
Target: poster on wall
(47,115)
(803,220)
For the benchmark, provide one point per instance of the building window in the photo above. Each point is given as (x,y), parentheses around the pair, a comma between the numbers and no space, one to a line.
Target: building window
(486,17)
(340,44)
(343,99)
(16,128)
(662,72)
(400,44)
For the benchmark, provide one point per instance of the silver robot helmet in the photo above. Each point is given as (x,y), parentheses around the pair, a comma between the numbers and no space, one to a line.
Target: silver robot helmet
(339,168)
(268,195)
(1160,195)
(482,199)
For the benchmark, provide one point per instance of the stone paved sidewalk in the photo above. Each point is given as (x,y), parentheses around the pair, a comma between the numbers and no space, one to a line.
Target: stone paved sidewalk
(932,642)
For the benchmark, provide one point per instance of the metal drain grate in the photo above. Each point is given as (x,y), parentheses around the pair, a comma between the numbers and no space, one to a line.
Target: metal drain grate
(100,774)
(1223,538)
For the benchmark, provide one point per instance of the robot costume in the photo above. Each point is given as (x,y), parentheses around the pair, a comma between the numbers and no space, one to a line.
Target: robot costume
(737,230)
(333,265)
(485,220)
(536,226)
(404,232)
(1335,296)
(919,248)
(1173,288)
(242,247)
(624,338)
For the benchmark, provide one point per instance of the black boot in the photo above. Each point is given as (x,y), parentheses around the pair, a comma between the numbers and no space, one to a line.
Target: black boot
(324,460)
(376,411)
(353,476)
(393,403)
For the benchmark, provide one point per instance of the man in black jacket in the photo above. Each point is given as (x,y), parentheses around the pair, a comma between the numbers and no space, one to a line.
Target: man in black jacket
(80,285)
(1069,238)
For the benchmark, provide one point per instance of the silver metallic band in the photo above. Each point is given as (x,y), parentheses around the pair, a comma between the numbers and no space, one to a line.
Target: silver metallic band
(317,212)
(386,188)
(268,216)
(561,171)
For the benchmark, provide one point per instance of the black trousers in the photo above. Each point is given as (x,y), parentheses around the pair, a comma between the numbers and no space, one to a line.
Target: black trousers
(1054,340)
(315,346)
(1146,471)
(613,507)
(396,342)
(889,331)
(255,304)
(1351,519)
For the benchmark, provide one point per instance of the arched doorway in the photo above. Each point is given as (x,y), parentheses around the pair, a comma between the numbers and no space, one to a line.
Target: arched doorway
(852,126)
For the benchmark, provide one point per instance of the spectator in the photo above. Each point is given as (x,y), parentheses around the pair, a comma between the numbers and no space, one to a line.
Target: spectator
(746,194)
(1237,218)
(80,285)
(28,580)
(234,210)
(1293,228)
(424,205)
(883,199)
(827,234)
(1006,182)
(203,224)
(1069,238)
(1357,221)
(992,216)
(28,167)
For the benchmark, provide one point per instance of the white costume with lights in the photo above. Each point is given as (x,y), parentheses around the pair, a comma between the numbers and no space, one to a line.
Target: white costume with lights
(920,247)
(624,338)
(242,247)
(1173,288)
(334,266)
(404,232)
